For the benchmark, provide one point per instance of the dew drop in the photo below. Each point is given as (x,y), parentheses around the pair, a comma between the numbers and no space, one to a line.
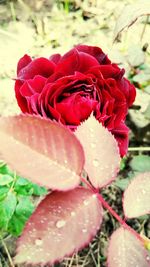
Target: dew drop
(93,145)
(73,213)
(38,242)
(85,202)
(95,162)
(73,174)
(148,258)
(60,223)
(84,230)
(65,161)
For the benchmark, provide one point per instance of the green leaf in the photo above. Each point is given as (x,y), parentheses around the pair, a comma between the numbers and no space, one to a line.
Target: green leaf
(142,77)
(1,163)
(3,191)
(4,169)
(38,190)
(25,207)
(16,225)
(26,190)
(23,211)
(123,163)
(7,208)
(147,89)
(147,112)
(135,56)
(140,163)
(25,187)
(5,179)
(122,184)
(22,181)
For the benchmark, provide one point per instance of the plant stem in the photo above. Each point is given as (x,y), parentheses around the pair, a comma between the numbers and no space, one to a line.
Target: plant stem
(14,181)
(7,252)
(117,217)
(144,28)
(12,9)
(142,148)
(109,208)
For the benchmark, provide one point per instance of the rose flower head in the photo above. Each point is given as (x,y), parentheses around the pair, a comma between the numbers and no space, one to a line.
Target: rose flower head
(69,88)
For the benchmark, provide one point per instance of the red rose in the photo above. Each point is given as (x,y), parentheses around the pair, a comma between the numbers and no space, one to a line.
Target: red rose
(69,88)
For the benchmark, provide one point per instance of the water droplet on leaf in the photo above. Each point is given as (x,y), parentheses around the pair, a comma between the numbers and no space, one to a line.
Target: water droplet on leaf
(38,242)
(95,162)
(85,202)
(60,223)
(73,213)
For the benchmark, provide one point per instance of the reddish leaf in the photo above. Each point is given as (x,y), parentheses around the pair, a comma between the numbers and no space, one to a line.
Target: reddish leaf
(126,250)
(62,224)
(42,150)
(101,152)
(130,14)
(137,193)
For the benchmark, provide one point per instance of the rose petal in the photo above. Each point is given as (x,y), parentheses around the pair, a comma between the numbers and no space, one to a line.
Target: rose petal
(111,71)
(55,58)
(39,66)
(121,135)
(75,61)
(76,108)
(128,89)
(31,87)
(95,52)
(23,62)
(22,102)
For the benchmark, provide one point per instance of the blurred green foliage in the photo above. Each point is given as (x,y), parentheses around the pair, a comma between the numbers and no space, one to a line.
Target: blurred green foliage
(17,203)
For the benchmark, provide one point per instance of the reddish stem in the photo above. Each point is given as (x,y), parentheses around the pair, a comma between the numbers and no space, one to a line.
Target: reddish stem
(118,218)
(109,208)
